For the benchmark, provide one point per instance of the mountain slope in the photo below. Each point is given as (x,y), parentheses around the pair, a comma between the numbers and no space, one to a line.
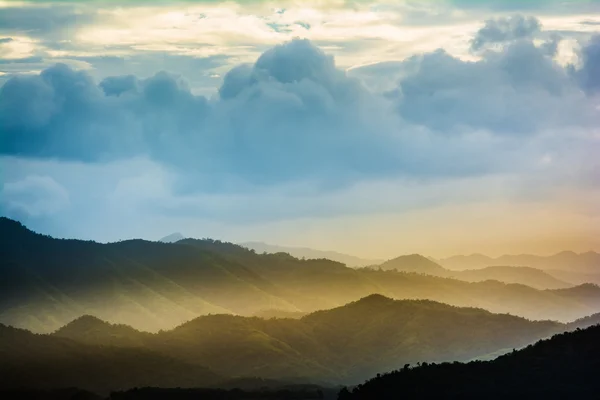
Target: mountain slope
(305,252)
(564,366)
(532,277)
(48,362)
(93,331)
(345,344)
(562,305)
(46,283)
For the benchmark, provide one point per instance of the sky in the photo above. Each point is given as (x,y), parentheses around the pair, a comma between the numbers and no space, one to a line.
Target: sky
(374,128)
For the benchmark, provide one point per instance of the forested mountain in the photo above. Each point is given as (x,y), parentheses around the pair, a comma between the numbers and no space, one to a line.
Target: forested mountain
(50,362)
(46,283)
(563,367)
(305,252)
(343,345)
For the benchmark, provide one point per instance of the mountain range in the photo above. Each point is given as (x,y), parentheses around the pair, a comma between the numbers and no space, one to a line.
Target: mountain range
(552,272)
(46,283)
(305,252)
(532,277)
(346,344)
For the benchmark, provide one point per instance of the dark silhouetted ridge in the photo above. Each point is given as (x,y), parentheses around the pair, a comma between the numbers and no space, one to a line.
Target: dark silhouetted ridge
(42,362)
(563,367)
(91,330)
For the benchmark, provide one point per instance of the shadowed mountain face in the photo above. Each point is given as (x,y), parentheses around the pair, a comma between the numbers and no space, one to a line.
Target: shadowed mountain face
(46,282)
(342,345)
(522,275)
(564,367)
(50,362)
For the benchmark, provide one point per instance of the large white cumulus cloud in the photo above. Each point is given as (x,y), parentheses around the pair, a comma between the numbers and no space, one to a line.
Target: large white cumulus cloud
(294,116)
(517,91)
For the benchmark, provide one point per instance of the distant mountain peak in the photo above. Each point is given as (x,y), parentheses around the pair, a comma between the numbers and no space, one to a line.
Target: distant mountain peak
(172,238)
(308,253)
(565,260)
(375,298)
(85,322)
(413,263)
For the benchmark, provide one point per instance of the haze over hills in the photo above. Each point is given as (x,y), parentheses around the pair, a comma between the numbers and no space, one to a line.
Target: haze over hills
(522,275)
(172,238)
(305,252)
(585,263)
(563,367)
(345,345)
(50,362)
(519,275)
(414,263)
(46,282)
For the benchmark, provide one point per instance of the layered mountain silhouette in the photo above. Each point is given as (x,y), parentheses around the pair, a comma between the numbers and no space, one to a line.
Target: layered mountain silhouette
(347,344)
(563,367)
(566,265)
(305,252)
(46,283)
(51,362)
(533,277)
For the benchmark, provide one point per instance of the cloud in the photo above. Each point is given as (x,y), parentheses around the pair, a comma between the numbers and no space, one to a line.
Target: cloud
(33,196)
(293,116)
(44,20)
(505,29)
(518,90)
(589,73)
(552,6)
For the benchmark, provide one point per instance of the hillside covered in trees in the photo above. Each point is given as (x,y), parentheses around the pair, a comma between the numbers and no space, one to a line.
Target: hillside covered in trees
(563,367)
(344,345)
